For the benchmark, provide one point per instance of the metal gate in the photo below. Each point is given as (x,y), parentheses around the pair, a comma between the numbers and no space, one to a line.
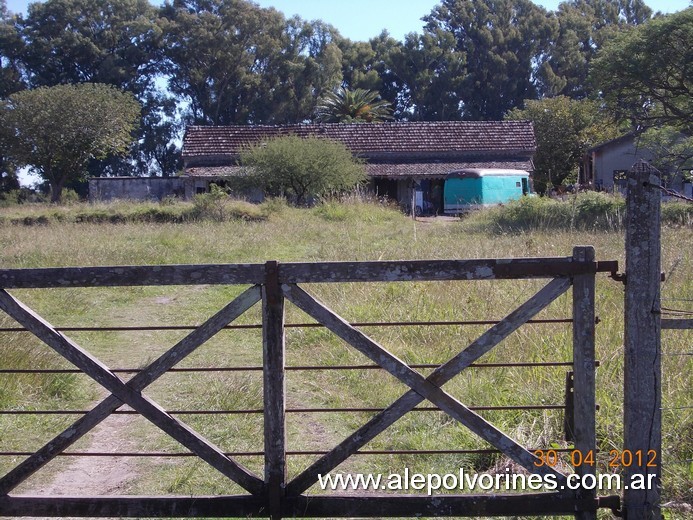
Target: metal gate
(272,494)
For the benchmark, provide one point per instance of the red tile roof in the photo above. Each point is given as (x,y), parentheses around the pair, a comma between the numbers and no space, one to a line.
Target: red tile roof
(447,138)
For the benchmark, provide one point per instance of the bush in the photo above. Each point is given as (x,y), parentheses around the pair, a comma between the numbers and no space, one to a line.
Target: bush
(677,213)
(218,206)
(587,211)
(303,168)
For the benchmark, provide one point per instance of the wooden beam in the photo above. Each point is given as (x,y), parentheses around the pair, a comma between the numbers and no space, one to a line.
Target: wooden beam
(416,506)
(677,324)
(242,506)
(122,276)
(128,393)
(314,506)
(431,270)
(642,363)
(584,367)
(425,388)
(274,389)
(229,274)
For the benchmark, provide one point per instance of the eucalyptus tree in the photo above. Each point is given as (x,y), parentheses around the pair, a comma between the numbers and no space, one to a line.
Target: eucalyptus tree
(584,27)
(11,46)
(430,72)
(234,62)
(368,65)
(100,41)
(92,41)
(502,41)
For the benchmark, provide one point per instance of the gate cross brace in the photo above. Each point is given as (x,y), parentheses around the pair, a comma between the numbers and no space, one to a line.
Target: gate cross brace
(422,388)
(130,393)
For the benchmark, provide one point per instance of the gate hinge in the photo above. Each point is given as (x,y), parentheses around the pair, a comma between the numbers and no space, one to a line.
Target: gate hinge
(619,277)
(622,277)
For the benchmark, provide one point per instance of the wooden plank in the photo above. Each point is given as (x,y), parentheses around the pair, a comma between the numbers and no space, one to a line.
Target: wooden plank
(226,274)
(121,276)
(642,363)
(314,506)
(414,270)
(424,387)
(440,376)
(440,505)
(677,324)
(274,390)
(584,367)
(129,393)
(240,506)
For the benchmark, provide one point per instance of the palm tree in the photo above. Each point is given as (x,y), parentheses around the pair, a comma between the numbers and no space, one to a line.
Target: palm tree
(353,106)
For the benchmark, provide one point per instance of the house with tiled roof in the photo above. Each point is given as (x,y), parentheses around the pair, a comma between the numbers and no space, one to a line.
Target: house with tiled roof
(403,160)
(400,157)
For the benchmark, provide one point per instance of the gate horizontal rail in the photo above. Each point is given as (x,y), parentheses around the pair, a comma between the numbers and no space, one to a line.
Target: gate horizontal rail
(272,283)
(255,274)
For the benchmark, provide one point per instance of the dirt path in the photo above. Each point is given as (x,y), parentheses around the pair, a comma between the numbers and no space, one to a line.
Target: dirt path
(85,476)
(92,476)
(96,475)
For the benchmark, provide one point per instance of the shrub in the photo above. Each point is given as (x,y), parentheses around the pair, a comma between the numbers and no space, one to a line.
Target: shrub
(218,206)
(677,213)
(303,168)
(586,211)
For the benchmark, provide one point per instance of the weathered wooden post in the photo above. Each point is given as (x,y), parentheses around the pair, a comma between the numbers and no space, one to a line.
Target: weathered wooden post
(274,389)
(584,399)
(642,364)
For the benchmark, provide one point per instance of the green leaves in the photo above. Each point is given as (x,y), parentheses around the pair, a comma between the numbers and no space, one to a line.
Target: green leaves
(646,74)
(302,168)
(237,63)
(353,106)
(57,130)
(564,128)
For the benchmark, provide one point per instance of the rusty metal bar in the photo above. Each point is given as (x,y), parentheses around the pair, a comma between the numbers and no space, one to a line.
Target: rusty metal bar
(144,328)
(291,368)
(288,410)
(295,453)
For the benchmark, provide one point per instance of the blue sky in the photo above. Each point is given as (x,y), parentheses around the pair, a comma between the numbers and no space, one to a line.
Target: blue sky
(361,20)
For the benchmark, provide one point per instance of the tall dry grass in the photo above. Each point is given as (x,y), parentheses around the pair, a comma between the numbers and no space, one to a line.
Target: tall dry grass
(334,232)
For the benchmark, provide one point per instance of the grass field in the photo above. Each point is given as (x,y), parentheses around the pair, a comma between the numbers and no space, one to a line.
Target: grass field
(333,232)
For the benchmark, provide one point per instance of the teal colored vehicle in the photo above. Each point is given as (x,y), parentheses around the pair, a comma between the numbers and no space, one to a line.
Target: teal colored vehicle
(469,189)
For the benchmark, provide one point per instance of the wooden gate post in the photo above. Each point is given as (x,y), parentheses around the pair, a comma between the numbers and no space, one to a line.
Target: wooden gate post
(274,389)
(584,366)
(642,364)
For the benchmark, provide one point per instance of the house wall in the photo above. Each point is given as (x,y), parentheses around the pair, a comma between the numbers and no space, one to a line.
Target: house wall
(620,156)
(137,188)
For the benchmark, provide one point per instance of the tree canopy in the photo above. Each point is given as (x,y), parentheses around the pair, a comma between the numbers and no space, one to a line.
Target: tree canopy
(57,130)
(564,128)
(232,62)
(645,75)
(502,40)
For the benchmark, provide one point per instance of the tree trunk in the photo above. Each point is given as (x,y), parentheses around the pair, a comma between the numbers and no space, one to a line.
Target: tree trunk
(57,191)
